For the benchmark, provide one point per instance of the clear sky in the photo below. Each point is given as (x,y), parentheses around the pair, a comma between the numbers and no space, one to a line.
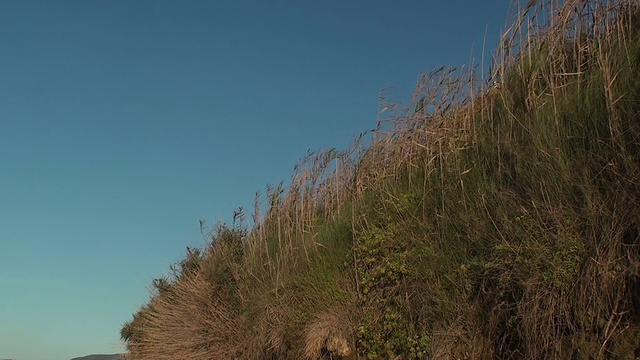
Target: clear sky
(122,123)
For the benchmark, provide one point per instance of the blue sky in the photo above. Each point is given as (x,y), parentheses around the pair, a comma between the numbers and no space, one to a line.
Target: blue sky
(122,123)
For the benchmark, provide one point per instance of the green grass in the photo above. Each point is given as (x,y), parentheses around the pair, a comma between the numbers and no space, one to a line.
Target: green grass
(501,224)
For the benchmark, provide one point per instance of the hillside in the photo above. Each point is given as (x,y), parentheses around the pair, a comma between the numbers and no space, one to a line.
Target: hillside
(492,219)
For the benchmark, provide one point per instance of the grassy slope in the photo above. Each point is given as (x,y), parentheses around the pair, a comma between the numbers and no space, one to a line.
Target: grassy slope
(493,220)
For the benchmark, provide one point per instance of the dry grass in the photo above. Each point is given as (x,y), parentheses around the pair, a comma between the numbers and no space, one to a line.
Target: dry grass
(187,323)
(330,332)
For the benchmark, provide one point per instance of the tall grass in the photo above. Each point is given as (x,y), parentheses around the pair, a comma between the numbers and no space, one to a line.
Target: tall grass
(489,219)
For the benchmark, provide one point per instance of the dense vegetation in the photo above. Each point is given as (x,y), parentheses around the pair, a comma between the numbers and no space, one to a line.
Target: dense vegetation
(494,218)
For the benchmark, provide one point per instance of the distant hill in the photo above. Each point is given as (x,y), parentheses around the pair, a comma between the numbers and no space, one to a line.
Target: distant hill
(100,357)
